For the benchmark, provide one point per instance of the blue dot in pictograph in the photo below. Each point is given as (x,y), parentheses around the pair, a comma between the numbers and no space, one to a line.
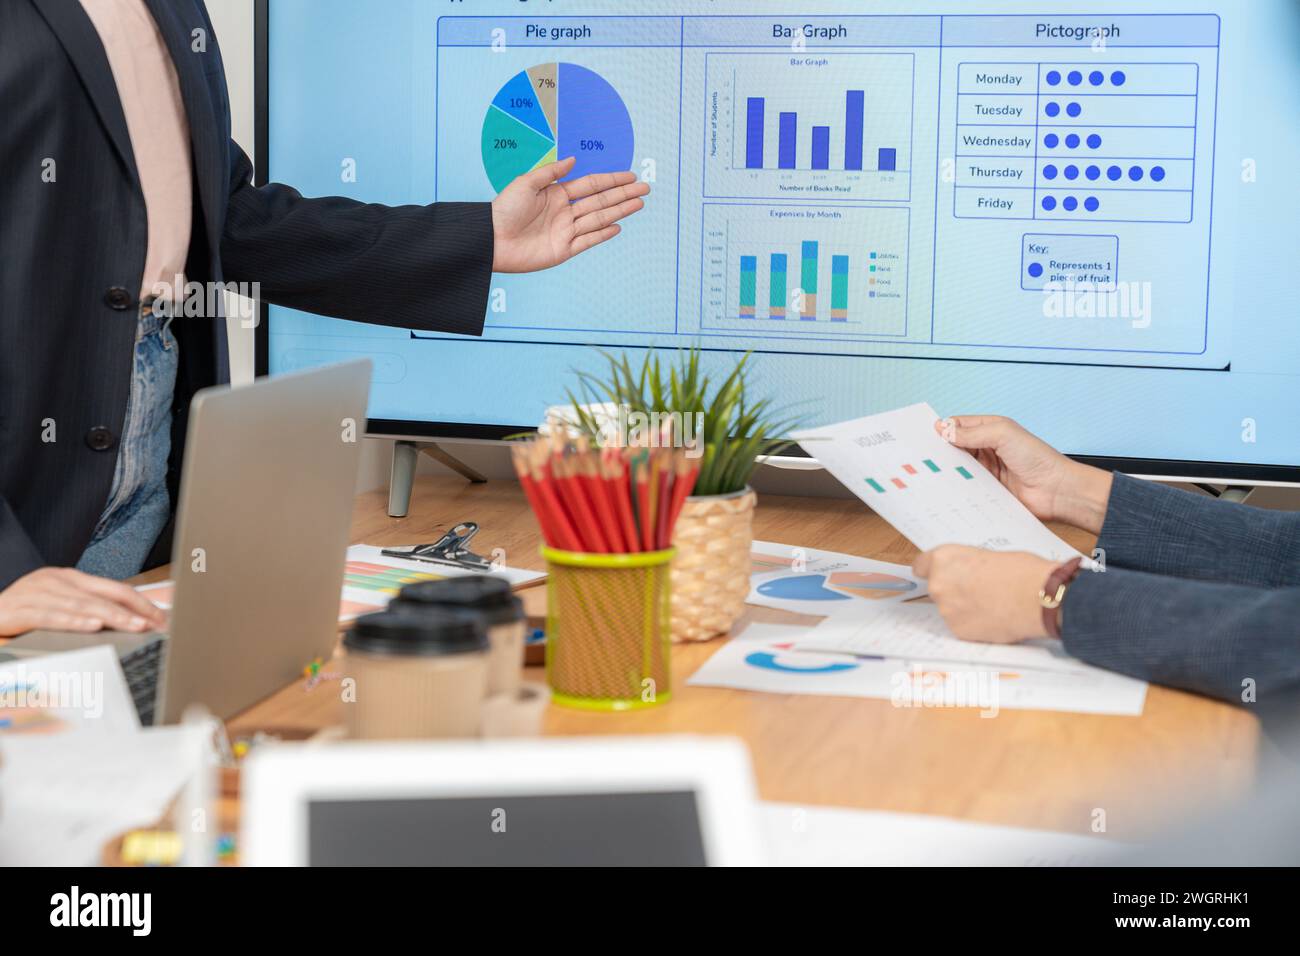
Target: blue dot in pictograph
(1052,109)
(1113,173)
(1074,109)
(1091,204)
(1070,203)
(1072,141)
(1049,203)
(1035,269)
(1049,171)
(1092,172)
(1117,78)
(1071,172)
(1050,141)
(1096,78)
(1093,141)
(1075,77)
(1135,173)
(1053,77)
(1157,173)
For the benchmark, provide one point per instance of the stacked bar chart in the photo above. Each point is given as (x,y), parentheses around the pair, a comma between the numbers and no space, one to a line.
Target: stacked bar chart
(778,288)
(840,288)
(794,126)
(829,272)
(808,281)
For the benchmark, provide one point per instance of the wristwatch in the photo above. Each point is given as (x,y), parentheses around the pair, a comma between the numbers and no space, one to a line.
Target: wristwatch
(1053,593)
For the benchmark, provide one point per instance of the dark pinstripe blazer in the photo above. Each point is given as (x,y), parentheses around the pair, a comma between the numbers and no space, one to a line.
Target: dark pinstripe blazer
(72,256)
(1197,593)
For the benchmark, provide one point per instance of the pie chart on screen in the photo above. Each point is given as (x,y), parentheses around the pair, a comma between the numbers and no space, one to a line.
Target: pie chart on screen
(551,111)
(836,586)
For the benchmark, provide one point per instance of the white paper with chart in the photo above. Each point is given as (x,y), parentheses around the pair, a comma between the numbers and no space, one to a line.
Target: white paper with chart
(934,493)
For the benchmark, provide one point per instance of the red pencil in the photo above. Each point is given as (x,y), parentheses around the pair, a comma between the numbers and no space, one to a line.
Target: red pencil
(666,485)
(573,494)
(594,490)
(517,455)
(641,476)
(620,495)
(566,535)
(687,472)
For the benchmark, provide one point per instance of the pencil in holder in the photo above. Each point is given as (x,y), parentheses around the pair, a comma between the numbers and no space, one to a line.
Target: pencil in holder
(607,629)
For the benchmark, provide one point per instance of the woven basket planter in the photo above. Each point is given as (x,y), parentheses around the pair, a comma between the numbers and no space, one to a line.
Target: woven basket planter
(710,574)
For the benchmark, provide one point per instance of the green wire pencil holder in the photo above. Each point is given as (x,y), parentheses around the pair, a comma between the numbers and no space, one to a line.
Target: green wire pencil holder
(607,629)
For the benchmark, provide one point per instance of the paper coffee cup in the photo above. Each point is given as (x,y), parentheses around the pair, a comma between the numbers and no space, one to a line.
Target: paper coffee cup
(501,612)
(416,676)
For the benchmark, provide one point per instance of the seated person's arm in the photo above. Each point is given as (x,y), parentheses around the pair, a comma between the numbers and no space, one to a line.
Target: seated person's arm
(64,599)
(1140,525)
(1152,527)
(61,599)
(1202,636)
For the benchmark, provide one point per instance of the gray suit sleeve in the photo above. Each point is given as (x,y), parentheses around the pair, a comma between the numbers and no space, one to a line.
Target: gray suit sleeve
(1203,636)
(1152,527)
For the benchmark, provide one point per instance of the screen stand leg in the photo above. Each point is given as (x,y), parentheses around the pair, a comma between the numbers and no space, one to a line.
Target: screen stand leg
(405,457)
(1234,493)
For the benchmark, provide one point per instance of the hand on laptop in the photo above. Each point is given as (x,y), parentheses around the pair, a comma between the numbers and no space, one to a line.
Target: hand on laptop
(64,599)
(1049,484)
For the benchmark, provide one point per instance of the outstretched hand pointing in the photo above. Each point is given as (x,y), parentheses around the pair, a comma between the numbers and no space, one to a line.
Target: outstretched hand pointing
(538,222)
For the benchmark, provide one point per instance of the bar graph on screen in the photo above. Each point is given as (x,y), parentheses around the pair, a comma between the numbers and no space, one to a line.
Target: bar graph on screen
(826,271)
(804,124)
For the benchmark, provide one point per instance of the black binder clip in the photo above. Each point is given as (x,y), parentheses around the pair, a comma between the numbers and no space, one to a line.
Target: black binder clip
(451,549)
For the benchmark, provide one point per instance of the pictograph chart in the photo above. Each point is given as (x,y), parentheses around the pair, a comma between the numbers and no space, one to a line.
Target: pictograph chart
(1076,140)
(552,111)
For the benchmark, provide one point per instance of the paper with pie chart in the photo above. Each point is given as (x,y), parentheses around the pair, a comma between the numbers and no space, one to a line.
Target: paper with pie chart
(553,111)
(824,583)
(780,659)
(934,493)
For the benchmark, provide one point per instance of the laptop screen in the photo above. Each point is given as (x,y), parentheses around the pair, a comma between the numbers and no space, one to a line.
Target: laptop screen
(586,829)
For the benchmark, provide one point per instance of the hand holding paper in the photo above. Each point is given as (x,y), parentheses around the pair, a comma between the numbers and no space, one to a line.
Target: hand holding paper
(1052,486)
(986,596)
(932,492)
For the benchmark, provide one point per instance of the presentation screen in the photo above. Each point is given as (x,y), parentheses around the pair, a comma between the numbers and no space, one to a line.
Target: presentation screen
(1084,220)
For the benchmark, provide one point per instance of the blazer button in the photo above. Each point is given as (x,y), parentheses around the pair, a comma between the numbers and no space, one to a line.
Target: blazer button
(118,298)
(100,438)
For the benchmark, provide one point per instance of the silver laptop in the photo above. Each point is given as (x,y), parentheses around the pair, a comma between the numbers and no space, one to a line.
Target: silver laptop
(258,556)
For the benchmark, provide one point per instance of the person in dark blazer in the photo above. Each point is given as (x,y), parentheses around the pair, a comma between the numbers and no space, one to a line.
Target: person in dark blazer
(119,171)
(1195,593)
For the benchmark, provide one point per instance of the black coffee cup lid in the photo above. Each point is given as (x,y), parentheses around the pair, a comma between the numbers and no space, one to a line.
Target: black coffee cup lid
(435,632)
(481,593)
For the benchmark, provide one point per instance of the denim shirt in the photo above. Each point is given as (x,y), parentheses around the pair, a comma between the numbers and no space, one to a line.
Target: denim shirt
(139,505)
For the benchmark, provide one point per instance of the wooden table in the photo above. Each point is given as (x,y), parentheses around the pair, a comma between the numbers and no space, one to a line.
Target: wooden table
(1027,768)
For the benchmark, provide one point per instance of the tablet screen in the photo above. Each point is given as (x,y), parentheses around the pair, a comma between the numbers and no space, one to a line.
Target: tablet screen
(590,829)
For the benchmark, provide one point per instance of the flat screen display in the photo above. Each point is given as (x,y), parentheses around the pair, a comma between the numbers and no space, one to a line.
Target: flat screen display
(1083,219)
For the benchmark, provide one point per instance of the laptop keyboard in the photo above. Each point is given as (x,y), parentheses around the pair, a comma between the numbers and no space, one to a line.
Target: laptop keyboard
(143,667)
